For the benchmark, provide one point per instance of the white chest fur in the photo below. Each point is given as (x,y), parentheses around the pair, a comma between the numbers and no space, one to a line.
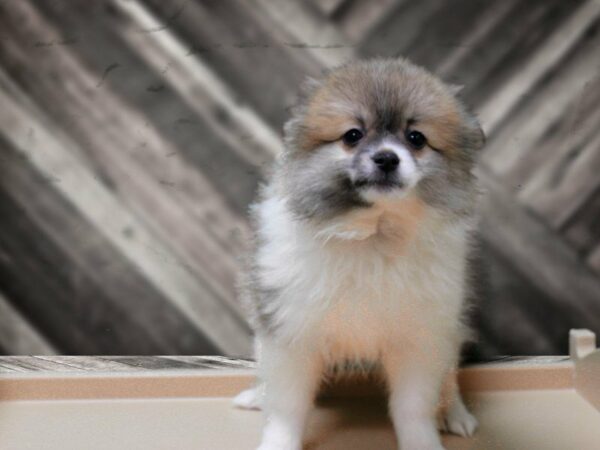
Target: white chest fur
(374,278)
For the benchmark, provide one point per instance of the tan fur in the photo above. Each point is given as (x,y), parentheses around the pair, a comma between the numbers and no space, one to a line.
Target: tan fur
(343,99)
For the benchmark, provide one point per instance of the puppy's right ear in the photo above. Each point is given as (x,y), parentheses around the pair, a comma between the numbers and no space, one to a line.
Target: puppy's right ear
(308,87)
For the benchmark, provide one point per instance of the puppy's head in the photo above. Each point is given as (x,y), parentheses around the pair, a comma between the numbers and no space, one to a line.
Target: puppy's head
(377,130)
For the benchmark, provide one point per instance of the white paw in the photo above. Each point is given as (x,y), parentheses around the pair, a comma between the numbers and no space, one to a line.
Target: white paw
(249,399)
(459,421)
(435,445)
(271,446)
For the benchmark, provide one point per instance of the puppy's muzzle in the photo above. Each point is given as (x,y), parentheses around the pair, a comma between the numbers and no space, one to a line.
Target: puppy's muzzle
(386,160)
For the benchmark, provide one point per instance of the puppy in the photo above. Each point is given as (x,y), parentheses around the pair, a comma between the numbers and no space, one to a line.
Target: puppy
(362,239)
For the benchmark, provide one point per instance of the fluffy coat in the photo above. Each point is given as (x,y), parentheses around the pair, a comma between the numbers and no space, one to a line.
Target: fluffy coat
(356,263)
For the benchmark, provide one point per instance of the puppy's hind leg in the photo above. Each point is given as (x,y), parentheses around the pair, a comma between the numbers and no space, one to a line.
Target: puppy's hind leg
(291,377)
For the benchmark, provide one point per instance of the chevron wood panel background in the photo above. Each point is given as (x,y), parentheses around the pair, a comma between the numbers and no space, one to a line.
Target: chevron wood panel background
(133,134)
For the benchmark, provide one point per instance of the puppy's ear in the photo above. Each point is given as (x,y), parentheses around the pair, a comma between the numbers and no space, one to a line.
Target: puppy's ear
(456,89)
(476,137)
(308,87)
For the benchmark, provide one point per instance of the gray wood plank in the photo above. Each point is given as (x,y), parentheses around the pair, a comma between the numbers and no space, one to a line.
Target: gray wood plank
(254,55)
(214,362)
(358,19)
(91,363)
(562,26)
(33,364)
(151,363)
(93,272)
(582,230)
(17,335)
(73,176)
(537,251)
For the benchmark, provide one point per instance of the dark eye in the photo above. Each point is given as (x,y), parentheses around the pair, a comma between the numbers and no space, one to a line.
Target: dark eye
(351,137)
(416,139)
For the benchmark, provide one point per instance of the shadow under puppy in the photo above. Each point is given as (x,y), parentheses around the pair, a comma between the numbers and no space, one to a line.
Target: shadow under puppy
(362,239)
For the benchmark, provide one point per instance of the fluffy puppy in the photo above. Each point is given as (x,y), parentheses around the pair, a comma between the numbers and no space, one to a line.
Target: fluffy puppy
(362,239)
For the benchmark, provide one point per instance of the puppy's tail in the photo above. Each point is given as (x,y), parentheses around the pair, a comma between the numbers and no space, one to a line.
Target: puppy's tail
(250,398)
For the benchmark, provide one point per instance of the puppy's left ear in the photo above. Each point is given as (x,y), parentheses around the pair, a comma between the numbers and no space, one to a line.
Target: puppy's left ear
(456,89)
(473,136)
(477,136)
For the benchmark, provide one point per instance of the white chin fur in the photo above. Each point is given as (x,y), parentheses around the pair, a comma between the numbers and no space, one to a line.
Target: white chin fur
(373,194)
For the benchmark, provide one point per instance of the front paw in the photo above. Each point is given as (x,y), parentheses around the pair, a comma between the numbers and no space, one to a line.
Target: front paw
(275,447)
(278,446)
(458,420)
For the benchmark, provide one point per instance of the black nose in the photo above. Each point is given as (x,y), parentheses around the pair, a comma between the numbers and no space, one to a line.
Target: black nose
(386,160)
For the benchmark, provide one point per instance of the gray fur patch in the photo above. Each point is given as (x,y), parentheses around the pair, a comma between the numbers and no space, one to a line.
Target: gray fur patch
(319,188)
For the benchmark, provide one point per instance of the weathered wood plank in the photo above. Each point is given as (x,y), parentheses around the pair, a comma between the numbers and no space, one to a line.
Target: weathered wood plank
(400,26)
(446,31)
(56,161)
(17,335)
(91,363)
(498,105)
(561,139)
(518,34)
(151,194)
(254,55)
(328,7)
(358,19)
(518,313)
(560,190)
(150,363)
(520,132)
(311,33)
(214,362)
(142,92)
(551,265)
(94,273)
(199,87)
(594,258)
(583,228)
(159,162)
(33,364)
(454,65)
